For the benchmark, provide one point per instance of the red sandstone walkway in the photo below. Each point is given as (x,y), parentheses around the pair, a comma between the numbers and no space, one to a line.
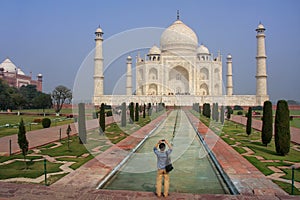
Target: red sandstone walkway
(45,136)
(257,125)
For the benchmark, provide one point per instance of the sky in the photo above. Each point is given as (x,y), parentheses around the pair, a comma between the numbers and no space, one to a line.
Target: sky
(56,38)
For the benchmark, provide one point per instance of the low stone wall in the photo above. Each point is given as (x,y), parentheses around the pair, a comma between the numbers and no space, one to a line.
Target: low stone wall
(181,100)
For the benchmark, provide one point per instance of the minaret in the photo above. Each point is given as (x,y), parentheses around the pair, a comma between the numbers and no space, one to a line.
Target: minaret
(129,76)
(98,65)
(261,69)
(229,87)
(40,82)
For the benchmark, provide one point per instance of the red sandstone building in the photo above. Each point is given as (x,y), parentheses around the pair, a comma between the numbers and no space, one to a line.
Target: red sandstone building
(15,77)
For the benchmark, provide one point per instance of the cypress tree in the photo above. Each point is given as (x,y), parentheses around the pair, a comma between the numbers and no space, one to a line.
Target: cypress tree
(217,112)
(137,112)
(123,117)
(282,128)
(131,112)
(222,114)
(102,118)
(206,110)
(22,140)
(81,123)
(144,111)
(213,111)
(229,112)
(249,121)
(199,108)
(267,126)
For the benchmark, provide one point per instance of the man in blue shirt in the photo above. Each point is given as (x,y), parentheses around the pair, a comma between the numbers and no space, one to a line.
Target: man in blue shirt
(162,161)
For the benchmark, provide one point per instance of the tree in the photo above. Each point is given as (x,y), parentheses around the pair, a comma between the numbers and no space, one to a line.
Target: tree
(222,114)
(213,114)
(102,118)
(217,112)
(267,126)
(144,111)
(81,123)
(137,112)
(229,112)
(282,128)
(131,112)
(149,109)
(5,95)
(43,101)
(59,96)
(123,115)
(22,140)
(68,134)
(18,100)
(249,121)
(206,110)
(29,92)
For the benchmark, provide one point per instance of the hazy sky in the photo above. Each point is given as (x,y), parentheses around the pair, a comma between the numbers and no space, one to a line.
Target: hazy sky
(54,37)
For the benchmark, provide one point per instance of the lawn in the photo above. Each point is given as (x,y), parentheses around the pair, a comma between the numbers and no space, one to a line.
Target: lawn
(9,123)
(34,170)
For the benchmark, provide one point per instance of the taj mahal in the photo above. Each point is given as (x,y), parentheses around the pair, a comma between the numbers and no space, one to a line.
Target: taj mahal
(181,72)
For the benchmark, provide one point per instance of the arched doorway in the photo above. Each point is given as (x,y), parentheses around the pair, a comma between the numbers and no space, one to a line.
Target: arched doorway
(179,81)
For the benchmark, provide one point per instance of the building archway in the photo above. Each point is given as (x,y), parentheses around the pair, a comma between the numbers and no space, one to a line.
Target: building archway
(179,80)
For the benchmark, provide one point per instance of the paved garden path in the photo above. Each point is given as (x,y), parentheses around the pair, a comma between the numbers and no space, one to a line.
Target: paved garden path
(257,125)
(44,136)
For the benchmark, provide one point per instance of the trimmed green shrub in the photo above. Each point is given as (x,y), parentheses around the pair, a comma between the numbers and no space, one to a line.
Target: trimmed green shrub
(267,126)
(109,113)
(206,110)
(102,118)
(222,114)
(249,121)
(144,111)
(237,107)
(22,140)
(240,113)
(137,112)
(46,122)
(282,128)
(131,112)
(229,112)
(123,117)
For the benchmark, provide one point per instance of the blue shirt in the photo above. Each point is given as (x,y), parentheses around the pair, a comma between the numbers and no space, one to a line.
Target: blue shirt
(162,157)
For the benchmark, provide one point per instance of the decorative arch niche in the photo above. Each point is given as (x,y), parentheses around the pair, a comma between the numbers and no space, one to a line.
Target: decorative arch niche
(204,74)
(204,89)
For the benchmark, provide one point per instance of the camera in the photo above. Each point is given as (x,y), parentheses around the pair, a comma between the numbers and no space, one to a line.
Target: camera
(162,140)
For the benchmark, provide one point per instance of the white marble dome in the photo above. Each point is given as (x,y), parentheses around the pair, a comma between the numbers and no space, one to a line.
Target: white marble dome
(202,50)
(154,50)
(178,36)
